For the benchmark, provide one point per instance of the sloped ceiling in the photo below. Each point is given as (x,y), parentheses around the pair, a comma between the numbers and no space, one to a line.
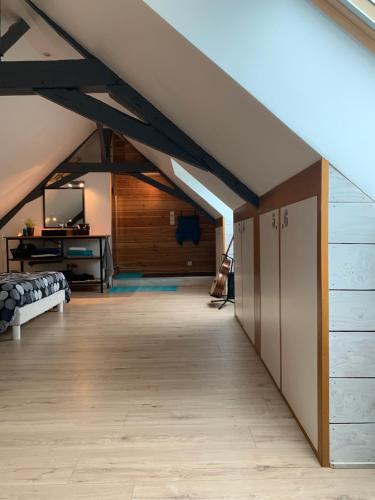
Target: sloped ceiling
(297,61)
(35,135)
(183,83)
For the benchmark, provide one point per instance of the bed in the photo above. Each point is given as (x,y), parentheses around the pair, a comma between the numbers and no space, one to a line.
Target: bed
(23,296)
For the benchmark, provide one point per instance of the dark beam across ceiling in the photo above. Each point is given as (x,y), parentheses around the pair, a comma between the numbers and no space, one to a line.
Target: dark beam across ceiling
(159,133)
(22,77)
(175,191)
(11,37)
(100,112)
(64,180)
(115,168)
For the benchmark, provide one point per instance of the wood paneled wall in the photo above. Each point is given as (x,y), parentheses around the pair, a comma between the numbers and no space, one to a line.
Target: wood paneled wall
(352,323)
(144,239)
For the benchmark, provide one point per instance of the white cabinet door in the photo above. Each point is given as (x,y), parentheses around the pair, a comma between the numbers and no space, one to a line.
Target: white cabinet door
(270,292)
(238,269)
(299,312)
(248,322)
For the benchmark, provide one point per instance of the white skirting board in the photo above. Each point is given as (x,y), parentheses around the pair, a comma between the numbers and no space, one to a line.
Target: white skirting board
(30,311)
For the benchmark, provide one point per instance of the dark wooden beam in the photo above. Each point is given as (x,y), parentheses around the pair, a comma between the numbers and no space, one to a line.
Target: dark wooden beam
(125,95)
(105,138)
(192,202)
(115,168)
(11,37)
(100,112)
(184,147)
(175,191)
(22,77)
(38,189)
(72,42)
(64,180)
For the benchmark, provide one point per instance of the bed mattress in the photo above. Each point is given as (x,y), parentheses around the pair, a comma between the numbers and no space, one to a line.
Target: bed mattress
(20,289)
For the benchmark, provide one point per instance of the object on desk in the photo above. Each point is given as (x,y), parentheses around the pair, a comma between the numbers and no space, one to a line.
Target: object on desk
(23,251)
(54,232)
(77,248)
(30,227)
(82,230)
(79,253)
(46,252)
(72,275)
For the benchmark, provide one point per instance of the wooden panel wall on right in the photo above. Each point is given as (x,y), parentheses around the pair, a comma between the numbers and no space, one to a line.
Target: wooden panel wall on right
(352,323)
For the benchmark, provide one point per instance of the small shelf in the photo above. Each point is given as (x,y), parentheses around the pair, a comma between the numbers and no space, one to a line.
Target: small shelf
(83,257)
(62,246)
(54,259)
(36,260)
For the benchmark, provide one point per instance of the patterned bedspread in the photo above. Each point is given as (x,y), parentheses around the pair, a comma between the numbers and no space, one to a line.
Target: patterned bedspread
(20,289)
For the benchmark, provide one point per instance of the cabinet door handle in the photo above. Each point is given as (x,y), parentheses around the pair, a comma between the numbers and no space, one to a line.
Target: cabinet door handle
(285,219)
(274,224)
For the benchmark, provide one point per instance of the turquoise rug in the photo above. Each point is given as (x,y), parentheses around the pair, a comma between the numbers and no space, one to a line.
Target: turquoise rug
(143,288)
(127,276)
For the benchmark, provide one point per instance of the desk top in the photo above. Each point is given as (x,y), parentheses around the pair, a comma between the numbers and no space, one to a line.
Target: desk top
(55,237)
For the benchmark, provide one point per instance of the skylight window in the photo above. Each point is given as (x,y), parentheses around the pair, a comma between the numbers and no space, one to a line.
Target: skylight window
(364,9)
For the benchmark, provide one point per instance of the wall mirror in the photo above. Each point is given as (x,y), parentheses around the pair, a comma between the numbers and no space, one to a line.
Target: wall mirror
(63,207)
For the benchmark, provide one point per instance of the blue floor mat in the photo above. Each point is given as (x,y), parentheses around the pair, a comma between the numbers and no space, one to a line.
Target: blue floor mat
(143,288)
(127,276)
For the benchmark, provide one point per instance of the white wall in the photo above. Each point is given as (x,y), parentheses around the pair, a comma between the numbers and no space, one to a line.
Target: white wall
(299,64)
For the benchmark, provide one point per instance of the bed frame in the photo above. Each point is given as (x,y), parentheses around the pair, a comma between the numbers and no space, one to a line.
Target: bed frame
(30,311)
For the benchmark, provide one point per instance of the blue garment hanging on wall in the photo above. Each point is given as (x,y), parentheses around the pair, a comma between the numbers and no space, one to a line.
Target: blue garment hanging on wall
(188,229)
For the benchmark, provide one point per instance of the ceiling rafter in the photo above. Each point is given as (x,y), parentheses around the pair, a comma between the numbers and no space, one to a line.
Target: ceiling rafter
(99,112)
(176,192)
(11,37)
(22,77)
(159,132)
(114,168)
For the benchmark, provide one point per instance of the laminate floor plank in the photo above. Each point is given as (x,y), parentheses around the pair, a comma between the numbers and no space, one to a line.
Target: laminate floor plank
(147,397)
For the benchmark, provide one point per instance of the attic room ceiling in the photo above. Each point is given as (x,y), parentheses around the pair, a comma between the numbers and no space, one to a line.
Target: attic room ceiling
(223,118)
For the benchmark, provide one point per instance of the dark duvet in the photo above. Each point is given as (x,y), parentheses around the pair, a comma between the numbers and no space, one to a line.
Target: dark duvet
(20,289)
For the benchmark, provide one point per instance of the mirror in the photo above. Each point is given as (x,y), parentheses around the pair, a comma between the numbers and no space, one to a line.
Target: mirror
(63,207)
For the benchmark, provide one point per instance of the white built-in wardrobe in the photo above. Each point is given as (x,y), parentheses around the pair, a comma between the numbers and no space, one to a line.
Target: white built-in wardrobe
(244,275)
(289,301)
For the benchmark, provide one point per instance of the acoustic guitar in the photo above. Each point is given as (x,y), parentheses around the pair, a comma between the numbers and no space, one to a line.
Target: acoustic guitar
(219,283)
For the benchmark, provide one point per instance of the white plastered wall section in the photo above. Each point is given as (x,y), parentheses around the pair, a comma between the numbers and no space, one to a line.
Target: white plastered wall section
(352,324)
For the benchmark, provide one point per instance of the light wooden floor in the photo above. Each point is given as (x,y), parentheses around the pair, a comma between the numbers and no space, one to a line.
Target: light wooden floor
(151,396)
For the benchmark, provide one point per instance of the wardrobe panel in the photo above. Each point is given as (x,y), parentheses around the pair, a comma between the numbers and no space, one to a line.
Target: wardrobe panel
(238,269)
(299,317)
(248,278)
(270,292)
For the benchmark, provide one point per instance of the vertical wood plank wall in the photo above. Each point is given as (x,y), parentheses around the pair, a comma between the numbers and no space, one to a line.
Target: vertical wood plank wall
(143,237)
(352,323)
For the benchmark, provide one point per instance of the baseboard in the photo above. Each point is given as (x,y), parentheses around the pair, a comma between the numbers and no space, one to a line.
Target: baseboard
(353,465)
